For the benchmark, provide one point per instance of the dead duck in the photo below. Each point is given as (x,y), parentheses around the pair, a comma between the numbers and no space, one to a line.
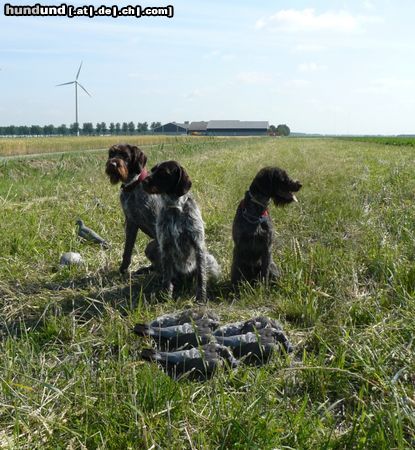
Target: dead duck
(246,326)
(196,363)
(176,336)
(256,347)
(185,316)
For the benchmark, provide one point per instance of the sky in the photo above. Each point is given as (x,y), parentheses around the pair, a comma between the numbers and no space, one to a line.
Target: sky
(334,67)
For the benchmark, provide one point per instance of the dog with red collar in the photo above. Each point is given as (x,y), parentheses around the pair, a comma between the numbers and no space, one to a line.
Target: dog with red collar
(253,231)
(127,164)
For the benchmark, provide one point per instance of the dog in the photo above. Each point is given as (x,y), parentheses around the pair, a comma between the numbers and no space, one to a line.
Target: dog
(127,164)
(180,229)
(252,229)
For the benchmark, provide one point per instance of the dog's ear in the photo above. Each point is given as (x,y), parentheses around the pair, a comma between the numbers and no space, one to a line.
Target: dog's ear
(262,183)
(281,177)
(112,150)
(138,159)
(184,183)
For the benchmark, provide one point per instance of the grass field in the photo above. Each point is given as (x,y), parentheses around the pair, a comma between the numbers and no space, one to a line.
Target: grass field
(70,372)
(396,140)
(27,146)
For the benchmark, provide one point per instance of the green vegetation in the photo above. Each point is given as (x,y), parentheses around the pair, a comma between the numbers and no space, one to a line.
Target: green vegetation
(70,372)
(280,130)
(27,146)
(75,128)
(386,140)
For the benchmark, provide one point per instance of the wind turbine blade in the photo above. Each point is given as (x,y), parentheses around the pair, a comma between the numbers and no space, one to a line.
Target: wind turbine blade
(77,75)
(80,85)
(63,84)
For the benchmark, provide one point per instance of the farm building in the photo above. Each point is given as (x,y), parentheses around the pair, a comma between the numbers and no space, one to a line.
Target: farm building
(197,128)
(172,128)
(216,128)
(237,128)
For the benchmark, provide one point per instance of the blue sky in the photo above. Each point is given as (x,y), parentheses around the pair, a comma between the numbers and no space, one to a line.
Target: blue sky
(318,66)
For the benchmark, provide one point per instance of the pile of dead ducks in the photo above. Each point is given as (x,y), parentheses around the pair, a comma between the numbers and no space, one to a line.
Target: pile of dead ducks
(194,344)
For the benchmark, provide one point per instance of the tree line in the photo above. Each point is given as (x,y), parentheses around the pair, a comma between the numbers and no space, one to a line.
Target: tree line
(87,129)
(101,128)
(280,130)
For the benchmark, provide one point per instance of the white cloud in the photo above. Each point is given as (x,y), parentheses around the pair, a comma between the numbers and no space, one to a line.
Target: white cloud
(306,47)
(204,92)
(297,83)
(34,51)
(286,87)
(194,94)
(387,86)
(368,4)
(141,76)
(254,77)
(212,54)
(218,54)
(308,20)
(228,57)
(311,67)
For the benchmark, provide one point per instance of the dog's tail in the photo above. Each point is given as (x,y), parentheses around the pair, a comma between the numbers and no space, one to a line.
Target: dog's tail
(213,267)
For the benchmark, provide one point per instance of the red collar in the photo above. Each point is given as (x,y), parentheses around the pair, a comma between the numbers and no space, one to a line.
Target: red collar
(135,181)
(265,212)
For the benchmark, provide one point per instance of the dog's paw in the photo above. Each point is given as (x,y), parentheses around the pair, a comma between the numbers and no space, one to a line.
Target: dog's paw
(201,296)
(123,269)
(168,289)
(144,270)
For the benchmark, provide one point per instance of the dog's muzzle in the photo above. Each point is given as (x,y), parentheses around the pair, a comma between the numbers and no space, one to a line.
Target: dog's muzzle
(116,170)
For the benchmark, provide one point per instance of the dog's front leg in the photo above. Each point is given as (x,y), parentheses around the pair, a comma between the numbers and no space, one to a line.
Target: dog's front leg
(152,251)
(167,272)
(236,274)
(131,230)
(201,275)
(265,265)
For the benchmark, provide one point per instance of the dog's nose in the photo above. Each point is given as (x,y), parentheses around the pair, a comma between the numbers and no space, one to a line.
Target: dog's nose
(113,163)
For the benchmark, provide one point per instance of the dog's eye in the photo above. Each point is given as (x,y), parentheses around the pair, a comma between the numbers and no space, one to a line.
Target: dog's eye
(111,154)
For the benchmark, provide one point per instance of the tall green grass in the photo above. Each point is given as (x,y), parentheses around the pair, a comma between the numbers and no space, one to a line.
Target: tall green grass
(386,140)
(27,146)
(70,372)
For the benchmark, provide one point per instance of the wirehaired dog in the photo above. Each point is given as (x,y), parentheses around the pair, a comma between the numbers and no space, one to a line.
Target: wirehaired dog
(180,229)
(127,164)
(252,229)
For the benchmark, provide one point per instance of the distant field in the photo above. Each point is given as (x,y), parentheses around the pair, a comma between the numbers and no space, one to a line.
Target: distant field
(70,369)
(408,141)
(25,146)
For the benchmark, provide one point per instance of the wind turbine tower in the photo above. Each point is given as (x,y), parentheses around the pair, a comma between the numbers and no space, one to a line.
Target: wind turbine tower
(76,83)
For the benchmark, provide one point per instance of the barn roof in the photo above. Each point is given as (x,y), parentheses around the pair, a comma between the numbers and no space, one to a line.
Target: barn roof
(198,126)
(237,124)
(183,125)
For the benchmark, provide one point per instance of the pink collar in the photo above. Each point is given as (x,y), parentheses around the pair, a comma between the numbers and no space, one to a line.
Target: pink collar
(143,174)
(135,181)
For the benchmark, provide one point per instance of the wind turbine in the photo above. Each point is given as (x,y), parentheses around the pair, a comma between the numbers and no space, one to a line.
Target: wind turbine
(76,83)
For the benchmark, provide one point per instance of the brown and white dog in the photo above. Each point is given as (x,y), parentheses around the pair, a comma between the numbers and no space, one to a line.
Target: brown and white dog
(127,164)
(180,229)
